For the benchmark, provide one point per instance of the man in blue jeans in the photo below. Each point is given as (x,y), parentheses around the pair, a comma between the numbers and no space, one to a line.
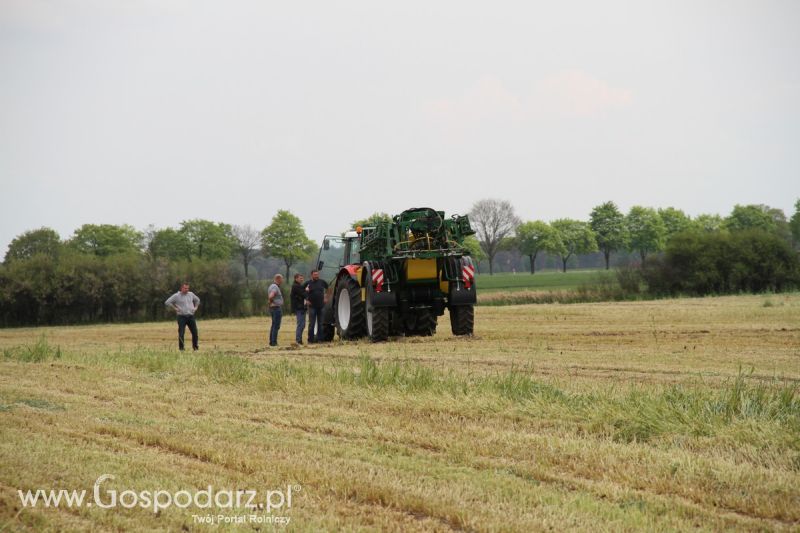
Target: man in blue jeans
(185,304)
(298,300)
(275,303)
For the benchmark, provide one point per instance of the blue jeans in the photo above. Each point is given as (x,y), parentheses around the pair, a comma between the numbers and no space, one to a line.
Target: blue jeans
(301,325)
(277,314)
(314,318)
(183,321)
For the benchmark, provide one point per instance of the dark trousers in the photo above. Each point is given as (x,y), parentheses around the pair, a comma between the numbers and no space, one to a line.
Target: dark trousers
(314,319)
(277,314)
(183,321)
(301,325)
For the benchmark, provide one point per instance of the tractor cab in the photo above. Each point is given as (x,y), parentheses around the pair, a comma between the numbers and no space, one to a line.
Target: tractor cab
(337,252)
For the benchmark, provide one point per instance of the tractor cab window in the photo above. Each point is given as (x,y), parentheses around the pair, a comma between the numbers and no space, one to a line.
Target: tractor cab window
(355,249)
(331,257)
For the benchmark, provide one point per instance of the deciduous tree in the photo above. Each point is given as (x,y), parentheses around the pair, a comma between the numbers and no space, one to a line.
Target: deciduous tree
(106,239)
(493,221)
(761,217)
(572,237)
(533,237)
(751,216)
(209,240)
(646,230)
(372,220)
(286,239)
(170,244)
(675,221)
(472,245)
(706,223)
(608,224)
(247,241)
(39,241)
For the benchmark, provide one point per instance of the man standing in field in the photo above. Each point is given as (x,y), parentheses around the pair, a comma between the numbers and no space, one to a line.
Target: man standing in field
(185,304)
(315,294)
(275,303)
(298,299)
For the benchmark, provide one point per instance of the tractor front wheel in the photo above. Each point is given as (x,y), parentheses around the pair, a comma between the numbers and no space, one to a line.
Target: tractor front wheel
(350,319)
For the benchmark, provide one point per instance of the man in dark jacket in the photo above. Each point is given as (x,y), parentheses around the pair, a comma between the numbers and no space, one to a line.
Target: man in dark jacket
(315,294)
(298,300)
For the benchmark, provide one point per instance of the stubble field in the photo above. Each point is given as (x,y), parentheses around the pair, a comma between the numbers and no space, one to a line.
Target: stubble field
(673,414)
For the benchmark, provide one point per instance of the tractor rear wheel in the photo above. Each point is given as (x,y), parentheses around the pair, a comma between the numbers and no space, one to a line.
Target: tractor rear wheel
(462,319)
(350,320)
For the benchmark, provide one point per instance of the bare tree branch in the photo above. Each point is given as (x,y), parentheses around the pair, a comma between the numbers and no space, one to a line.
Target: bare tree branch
(493,220)
(247,241)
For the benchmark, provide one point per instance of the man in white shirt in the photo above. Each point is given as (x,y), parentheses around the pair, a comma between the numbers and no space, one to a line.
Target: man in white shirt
(275,308)
(185,304)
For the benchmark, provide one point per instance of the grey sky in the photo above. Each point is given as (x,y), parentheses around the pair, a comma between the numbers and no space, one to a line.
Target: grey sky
(160,111)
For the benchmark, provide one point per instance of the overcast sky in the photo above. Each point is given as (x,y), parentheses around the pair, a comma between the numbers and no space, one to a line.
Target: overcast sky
(159,111)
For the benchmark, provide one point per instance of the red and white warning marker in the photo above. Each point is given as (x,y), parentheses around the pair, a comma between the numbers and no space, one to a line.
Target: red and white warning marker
(468,274)
(377,279)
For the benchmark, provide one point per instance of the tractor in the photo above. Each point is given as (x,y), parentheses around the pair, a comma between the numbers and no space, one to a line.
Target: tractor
(396,278)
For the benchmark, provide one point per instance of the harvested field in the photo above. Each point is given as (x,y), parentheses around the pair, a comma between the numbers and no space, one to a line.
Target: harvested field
(671,414)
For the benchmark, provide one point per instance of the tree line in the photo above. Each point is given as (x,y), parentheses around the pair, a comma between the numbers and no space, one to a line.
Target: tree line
(643,230)
(109,272)
(753,249)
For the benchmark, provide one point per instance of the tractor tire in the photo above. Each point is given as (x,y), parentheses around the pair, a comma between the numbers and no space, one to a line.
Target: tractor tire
(378,324)
(350,310)
(426,323)
(328,332)
(422,324)
(462,319)
(396,327)
(328,326)
(377,320)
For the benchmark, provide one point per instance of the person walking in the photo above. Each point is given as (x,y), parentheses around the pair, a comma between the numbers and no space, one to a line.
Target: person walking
(298,301)
(315,294)
(275,304)
(185,304)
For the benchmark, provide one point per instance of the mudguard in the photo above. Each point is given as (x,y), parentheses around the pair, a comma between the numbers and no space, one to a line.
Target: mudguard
(460,293)
(353,271)
(384,299)
(379,299)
